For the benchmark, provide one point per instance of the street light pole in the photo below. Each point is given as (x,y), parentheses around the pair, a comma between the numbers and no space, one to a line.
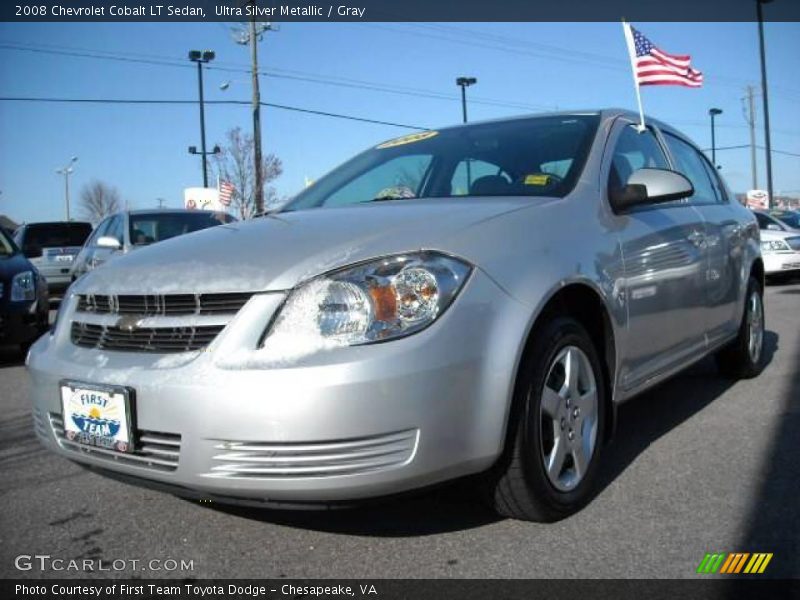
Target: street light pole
(464,83)
(767,142)
(714,112)
(66,171)
(201,57)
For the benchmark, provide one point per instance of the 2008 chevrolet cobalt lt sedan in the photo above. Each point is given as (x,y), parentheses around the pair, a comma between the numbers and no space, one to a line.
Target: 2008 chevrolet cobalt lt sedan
(474,300)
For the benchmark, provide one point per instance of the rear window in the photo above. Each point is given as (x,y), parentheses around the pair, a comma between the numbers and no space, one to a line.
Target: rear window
(55,235)
(148,228)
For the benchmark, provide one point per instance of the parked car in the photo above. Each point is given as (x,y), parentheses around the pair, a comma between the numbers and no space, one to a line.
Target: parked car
(769,222)
(473,300)
(52,248)
(790,218)
(781,251)
(24,304)
(120,233)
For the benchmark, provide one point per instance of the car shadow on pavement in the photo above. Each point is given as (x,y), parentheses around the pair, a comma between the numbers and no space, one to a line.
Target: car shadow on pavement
(456,506)
(11,356)
(648,417)
(773,521)
(451,507)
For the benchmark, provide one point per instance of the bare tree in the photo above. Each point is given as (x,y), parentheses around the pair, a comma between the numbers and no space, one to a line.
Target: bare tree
(98,200)
(235,164)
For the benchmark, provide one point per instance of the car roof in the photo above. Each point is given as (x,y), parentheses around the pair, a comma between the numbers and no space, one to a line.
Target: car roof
(168,211)
(605,114)
(52,223)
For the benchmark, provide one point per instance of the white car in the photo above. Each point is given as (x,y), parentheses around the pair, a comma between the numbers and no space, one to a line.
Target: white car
(781,252)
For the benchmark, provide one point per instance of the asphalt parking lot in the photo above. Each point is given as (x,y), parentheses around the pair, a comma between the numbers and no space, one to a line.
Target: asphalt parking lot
(701,464)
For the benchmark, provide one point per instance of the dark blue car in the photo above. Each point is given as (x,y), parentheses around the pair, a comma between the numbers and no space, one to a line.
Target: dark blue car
(23,297)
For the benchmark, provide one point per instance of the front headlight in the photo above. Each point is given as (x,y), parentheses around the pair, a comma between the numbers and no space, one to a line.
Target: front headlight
(774,246)
(23,287)
(371,302)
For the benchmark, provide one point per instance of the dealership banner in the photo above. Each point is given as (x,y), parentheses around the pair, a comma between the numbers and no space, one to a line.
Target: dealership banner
(397,589)
(392,10)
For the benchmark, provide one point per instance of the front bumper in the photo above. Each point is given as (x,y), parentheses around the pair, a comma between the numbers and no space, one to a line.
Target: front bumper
(344,424)
(22,322)
(58,277)
(781,262)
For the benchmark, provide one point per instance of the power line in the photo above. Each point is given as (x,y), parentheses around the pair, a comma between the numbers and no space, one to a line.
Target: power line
(232,102)
(739,147)
(273,73)
(321,113)
(543,50)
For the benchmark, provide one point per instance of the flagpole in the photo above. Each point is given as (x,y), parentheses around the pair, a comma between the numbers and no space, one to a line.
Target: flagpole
(626,28)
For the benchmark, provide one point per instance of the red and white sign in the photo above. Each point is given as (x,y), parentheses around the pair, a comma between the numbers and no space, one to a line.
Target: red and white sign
(757,199)
(202,199)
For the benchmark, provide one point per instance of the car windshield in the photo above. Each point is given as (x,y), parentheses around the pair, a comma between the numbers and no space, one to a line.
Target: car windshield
(792,219)
(56,235)
(147,228)
(540,156)
(7,247)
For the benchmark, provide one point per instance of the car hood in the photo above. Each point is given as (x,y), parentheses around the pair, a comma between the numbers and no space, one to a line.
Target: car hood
(11,265)
(278,251)
(769,235)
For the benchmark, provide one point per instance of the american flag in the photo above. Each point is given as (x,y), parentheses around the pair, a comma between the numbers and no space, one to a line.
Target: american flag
(226,189)
(656,67)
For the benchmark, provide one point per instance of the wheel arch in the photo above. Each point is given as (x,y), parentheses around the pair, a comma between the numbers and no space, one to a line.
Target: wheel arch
(582,301)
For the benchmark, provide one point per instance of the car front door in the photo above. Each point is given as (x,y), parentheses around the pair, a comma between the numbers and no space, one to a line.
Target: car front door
(725,240)
(664,260)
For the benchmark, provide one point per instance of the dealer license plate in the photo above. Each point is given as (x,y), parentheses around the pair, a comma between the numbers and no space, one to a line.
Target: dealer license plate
(97,415)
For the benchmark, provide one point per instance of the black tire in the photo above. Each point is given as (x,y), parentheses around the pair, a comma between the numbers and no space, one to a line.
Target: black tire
(519,486)
(736,360)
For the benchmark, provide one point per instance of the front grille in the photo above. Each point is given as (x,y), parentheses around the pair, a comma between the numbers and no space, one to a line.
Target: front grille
(154,450)
(272,460)
(144,339)
(794,243)
(151,305)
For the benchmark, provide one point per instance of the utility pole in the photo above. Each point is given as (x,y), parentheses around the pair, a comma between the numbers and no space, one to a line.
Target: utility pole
(765,97)
(750,117)
(259,174)
(251,37)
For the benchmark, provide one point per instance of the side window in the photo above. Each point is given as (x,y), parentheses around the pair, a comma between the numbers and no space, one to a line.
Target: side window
(690,163)
(634,151)
(115,228)
(470,170)
(716,182)
(98,232)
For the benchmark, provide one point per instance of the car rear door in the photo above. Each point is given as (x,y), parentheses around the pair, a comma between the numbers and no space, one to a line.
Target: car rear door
(664,259)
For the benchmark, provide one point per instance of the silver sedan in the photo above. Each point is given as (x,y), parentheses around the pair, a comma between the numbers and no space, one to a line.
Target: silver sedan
(475,300)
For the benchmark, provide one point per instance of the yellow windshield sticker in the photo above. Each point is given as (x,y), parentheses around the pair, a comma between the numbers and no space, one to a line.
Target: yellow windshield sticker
(408,139)
(537,179)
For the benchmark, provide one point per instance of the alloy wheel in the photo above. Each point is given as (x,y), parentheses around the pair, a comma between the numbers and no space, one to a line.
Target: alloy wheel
(568,418)
(755,326)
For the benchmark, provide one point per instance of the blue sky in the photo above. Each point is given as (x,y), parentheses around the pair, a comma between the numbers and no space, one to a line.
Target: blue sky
(533,66)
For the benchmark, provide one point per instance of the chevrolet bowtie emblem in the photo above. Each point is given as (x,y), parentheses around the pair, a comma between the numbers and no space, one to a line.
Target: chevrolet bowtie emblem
(129,323)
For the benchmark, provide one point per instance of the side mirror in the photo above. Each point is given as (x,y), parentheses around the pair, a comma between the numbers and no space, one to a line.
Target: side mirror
(773,227)
(651,186)
(109,242)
